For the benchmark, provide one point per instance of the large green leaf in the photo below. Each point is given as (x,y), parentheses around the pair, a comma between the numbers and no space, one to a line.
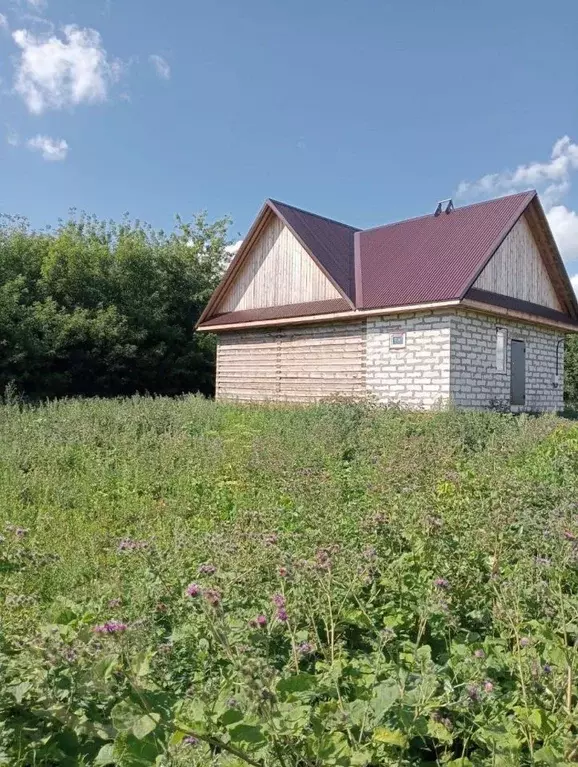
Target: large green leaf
(247,733)
(391,737)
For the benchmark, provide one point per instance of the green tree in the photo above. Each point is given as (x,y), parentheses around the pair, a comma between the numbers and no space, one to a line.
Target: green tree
(102,308)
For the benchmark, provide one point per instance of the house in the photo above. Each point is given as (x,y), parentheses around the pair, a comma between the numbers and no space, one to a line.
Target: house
(468,305)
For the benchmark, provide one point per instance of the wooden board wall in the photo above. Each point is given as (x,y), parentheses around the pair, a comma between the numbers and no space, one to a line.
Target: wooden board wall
(276,272)
(292,365)
(517,269)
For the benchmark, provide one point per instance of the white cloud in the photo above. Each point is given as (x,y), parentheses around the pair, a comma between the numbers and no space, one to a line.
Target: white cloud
(161,66)
(564,225)
(3,21)
(54,73)
(233,249)
(12,138)
(52,149)
(37,4)
(574,281)
(552,179)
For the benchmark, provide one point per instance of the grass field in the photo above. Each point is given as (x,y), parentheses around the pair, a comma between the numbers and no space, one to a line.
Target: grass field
(188,583)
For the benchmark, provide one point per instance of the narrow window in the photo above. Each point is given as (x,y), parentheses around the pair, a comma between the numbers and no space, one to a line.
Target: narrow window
(397,340)
(501,347)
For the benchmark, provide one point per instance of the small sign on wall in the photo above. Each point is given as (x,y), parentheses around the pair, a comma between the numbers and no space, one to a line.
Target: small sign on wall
(397,340)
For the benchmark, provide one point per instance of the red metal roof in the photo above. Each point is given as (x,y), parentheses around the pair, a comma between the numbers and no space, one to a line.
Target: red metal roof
(432,258)
(329,306)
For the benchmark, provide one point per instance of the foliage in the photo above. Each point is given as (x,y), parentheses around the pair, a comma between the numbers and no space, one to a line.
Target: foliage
(98,308)
(571,369)
(190,583)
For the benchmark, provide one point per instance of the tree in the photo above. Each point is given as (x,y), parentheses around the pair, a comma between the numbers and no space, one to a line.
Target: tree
(99,308)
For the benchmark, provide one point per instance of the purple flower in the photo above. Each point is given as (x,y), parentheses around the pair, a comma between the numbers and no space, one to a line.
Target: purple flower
(479,654)
(278,600)
(282,615)
(473,693)
(193,590)
(283,572)
(441,583)
(207,569)
(110,627)
(488,686)
(524,642)
(190,740)
(213,596)
(128,544)
(305,648)
(261,621)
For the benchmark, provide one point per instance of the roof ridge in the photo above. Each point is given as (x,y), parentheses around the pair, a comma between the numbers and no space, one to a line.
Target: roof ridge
(316,215)
(529,193)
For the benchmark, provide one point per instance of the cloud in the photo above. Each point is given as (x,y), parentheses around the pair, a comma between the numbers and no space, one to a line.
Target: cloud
(54,73)
(552,179)
(564,225)
(53,150)
(161,66)
(233,249)
(12,138)
(3,21)
(37,4)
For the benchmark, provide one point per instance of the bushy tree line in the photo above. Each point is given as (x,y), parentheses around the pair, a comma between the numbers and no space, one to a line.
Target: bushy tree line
(101,308)
(571,370)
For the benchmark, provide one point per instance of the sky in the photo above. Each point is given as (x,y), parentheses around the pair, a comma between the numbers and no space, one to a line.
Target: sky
(367,112)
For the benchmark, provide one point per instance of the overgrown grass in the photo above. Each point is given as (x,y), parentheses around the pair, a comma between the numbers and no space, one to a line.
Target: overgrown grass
(366,586)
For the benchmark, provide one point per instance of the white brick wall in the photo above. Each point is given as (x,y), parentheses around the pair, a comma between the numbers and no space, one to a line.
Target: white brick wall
(452,358)
(417,375)
(474,380)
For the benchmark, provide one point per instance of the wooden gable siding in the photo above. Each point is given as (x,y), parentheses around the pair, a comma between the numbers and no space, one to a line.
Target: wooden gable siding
(292,365)
(277,271)
(517,269)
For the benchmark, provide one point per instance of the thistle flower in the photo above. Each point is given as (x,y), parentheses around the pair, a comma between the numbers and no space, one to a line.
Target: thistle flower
(193,590)
(213,596)
(479,654)
(283,572)
(128,544)
(261,621)
(110,627)
(282,615)
(305,648)
(524,642)
(488,686)
(278,600)
(207,569)
(441,583)
(190,740)
(473,693)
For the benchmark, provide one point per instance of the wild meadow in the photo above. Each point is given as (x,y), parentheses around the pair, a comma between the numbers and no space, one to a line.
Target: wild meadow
(191,583)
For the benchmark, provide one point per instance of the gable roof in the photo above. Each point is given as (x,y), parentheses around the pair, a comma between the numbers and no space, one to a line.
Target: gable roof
(423,260)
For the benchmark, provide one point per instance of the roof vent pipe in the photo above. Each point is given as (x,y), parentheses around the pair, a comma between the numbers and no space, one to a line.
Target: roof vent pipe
(449,206)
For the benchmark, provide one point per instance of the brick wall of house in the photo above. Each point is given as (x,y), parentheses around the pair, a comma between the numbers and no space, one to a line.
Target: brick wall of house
(475,381)
(417,375)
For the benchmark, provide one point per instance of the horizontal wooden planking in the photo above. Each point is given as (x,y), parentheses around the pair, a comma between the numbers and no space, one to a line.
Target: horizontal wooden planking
(517,269)
(300,365)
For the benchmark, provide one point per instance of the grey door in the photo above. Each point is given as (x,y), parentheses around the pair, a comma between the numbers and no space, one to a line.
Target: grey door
(518,373)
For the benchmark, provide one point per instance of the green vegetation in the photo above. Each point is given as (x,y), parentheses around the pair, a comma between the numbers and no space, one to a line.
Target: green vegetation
(189,583)
(98,308)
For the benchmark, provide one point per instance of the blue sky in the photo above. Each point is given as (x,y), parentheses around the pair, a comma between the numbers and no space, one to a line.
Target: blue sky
(365,111)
